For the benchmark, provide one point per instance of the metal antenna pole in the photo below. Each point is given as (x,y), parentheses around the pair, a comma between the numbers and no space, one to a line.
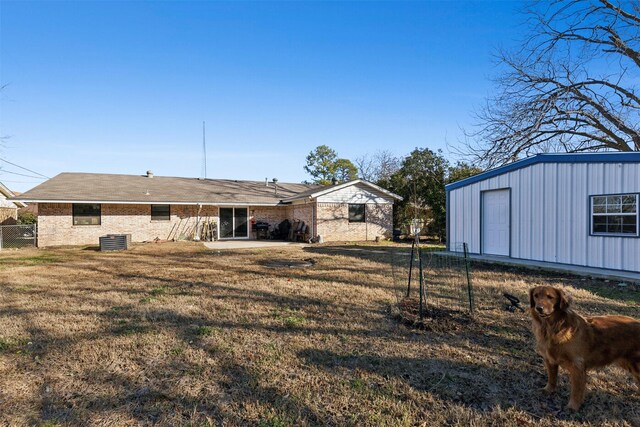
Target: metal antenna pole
(204,153)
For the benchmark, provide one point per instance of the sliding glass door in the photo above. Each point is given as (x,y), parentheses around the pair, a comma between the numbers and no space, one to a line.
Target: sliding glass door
(234,223)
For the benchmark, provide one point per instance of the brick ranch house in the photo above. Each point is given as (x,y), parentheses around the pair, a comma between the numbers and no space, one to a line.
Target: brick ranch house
(8,208)
(78,208)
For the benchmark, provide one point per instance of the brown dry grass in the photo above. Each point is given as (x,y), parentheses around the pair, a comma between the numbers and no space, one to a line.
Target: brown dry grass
(174,334)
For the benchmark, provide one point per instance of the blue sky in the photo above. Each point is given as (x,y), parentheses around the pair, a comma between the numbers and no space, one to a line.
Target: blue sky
(123,87)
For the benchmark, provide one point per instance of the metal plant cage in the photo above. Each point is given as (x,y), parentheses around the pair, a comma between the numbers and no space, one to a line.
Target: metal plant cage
(432,284)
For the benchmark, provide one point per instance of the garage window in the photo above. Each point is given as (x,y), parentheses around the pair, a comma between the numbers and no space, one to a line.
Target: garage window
(160,213)
(86,214)
(356,212)
(614,215)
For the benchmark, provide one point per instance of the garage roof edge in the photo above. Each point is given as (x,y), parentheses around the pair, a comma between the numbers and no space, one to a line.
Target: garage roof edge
(607,157)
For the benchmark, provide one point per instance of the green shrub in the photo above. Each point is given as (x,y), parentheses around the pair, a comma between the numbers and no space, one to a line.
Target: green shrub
(27,218)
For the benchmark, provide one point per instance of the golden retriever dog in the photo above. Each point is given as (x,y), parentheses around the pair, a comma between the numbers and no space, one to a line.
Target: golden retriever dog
(579,344)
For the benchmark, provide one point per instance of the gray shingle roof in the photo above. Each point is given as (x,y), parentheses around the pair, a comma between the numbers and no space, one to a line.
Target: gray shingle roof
(319,190)
(92,187)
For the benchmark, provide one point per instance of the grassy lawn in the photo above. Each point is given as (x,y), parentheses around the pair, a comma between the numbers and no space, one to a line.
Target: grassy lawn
(174,334)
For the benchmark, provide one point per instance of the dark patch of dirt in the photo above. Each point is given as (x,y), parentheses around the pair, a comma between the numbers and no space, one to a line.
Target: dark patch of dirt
(436,319)
(289,263)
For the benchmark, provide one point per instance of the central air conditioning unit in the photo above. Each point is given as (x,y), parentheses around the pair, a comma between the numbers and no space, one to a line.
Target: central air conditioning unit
(115,242)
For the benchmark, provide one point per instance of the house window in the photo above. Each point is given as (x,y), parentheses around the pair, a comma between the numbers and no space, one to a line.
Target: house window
(615,215)
(356,212)
(86,214)
(160,213)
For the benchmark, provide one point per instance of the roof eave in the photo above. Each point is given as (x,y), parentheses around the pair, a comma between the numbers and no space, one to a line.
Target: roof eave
(10,196)
(150,202)
(333,188)
(608,157)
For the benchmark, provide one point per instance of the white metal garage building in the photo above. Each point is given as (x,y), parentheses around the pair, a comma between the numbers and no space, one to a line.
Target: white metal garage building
(578,209)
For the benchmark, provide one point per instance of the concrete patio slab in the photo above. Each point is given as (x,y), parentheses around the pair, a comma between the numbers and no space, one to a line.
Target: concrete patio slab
(598,273)
(250,244)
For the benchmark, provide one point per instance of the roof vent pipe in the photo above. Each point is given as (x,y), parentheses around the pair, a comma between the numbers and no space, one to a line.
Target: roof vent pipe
(149,174)
(266,182)
(275,185)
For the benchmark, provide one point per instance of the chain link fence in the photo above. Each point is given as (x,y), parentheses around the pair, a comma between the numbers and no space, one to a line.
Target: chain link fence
(18,236)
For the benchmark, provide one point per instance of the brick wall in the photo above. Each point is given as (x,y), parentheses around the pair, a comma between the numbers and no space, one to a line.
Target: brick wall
(271,215)
(333,222)
(275,215)
(302,212)
(55,223)
(8,215)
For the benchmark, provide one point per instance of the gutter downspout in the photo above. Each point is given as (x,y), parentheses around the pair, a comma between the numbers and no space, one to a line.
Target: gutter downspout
(314,232)
(366,224)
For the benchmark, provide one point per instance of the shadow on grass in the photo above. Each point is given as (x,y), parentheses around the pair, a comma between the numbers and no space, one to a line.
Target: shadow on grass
(628,294)
(478,384)
(611,289)
(507,372)
(222,388)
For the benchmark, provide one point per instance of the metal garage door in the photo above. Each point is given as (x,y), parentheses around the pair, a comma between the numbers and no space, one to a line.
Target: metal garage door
(495,222)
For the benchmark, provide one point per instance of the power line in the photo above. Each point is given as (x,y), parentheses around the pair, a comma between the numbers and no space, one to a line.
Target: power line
(22,174)
(22,167)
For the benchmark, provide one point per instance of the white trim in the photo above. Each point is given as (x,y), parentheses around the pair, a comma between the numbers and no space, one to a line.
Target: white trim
(635,214)
(153,202)
(10,196)
(333,188)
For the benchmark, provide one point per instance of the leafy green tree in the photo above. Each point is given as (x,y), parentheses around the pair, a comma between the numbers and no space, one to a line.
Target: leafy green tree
(324,166)
(321,164)
(420,181)
(462,170)
(345,170)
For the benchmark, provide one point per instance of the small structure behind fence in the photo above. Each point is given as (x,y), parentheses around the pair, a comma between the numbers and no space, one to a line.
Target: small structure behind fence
(446,290)
(18,236)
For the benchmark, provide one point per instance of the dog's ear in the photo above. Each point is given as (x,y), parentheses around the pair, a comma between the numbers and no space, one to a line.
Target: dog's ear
(564,299)
(531,301)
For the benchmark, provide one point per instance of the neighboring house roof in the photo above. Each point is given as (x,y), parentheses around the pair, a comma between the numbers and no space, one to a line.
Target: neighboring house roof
(603,157)
(313,193)
(4,191)
(109,188)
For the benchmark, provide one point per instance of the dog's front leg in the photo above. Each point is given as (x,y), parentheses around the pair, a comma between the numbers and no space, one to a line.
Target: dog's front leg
(552,376)
(578,376)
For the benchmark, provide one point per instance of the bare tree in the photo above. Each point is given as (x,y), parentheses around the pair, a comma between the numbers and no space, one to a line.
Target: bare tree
(366,167)
(572,87)
(378,167)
